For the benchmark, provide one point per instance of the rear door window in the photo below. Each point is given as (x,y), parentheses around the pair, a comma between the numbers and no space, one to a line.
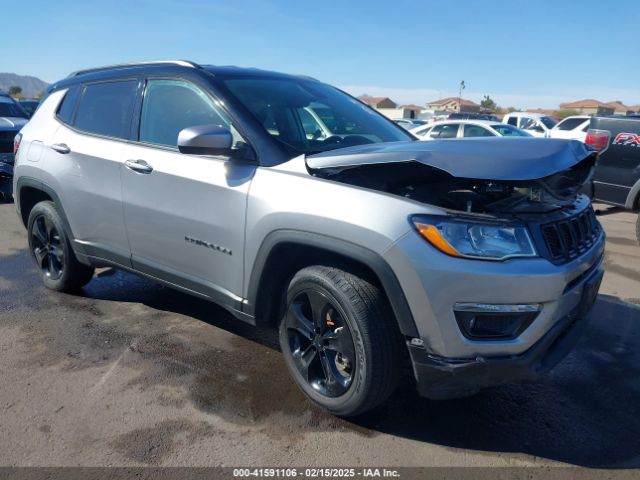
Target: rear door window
(68,105)
(106,108)
(513,121)
(445,131)
(477,131)
(569,123)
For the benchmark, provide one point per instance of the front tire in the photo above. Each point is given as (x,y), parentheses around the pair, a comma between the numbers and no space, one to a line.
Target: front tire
(340,341)
(51,250)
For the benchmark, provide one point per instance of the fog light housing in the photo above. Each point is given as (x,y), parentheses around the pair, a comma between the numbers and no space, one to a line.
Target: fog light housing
(481,321)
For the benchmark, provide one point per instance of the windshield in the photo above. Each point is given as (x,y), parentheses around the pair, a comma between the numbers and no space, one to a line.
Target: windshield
(509,131)
(9,109)
(310,117)
(548,122)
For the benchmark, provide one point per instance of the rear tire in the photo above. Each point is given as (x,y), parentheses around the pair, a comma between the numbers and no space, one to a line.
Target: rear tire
(51,250)
(340,341)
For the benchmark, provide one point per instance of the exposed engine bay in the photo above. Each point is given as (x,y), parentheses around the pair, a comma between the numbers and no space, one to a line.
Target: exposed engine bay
(433,186)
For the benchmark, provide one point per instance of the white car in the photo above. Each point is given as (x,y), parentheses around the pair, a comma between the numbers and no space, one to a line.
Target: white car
(572,128)
(537,124)
(467,129)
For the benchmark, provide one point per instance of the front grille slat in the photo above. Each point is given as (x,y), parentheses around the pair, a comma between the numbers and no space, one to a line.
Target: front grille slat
(568,238)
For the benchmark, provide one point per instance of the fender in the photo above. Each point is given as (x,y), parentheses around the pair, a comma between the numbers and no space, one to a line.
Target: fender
(633,198)
(362,255)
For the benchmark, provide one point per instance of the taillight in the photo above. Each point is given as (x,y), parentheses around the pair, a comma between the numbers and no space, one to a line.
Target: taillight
(16,143)
(598,139)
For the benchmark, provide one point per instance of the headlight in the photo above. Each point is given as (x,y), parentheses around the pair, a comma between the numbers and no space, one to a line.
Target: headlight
(470,239)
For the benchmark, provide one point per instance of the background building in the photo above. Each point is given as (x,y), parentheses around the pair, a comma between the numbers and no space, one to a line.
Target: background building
(588,107)
(453,104)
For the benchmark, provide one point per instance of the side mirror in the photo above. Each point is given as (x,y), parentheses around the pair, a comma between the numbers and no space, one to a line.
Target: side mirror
(205,140)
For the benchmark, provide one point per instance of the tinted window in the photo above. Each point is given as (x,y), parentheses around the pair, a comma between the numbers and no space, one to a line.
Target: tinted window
(570,123)
(527,123)
(510,131)
(548,122)
(9,108)
(477,131)
(67,106)
(172,105)
(513,121)
(444,131)
(422,131)
(105,108)
(275,103)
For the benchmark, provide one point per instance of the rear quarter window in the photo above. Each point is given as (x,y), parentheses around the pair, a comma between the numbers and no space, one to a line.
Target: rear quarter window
(68,104)
(106,108)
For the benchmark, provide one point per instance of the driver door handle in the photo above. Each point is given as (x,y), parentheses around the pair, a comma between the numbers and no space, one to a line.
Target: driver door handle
(60,148)
(139,166)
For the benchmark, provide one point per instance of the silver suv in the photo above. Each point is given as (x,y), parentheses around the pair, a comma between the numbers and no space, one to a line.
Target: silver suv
(292,204)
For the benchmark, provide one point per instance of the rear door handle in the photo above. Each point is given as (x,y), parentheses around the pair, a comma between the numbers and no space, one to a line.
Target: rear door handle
(139,166)
(60,148)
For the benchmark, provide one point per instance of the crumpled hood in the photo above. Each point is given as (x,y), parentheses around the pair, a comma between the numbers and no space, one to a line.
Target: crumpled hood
(515,159)
(12,123)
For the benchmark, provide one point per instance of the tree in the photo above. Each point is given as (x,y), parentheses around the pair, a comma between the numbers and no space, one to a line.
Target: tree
(40,94)
(15,91)
(488,104)
(566,112)
(512,109)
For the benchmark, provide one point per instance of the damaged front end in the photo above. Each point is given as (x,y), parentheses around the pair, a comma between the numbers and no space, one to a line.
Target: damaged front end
(503,198)
(488,176)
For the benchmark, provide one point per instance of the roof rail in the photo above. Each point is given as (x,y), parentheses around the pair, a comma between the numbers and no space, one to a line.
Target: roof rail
(184,63)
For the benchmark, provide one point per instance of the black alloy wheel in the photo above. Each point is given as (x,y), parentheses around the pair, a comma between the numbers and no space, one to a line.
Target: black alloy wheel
(47,247)
(320,343)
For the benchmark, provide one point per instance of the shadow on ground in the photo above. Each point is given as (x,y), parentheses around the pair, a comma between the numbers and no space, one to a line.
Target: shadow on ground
(584,413)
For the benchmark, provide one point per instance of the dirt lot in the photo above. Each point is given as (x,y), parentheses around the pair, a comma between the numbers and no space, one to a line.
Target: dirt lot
(131,373)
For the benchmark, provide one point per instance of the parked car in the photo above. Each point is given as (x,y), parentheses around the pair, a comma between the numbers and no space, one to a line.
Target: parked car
(467,129)
(409,123)
(473,116)
(12,119)
(572,128)
(29,105)
(366,249)
(616,179)
(537,124)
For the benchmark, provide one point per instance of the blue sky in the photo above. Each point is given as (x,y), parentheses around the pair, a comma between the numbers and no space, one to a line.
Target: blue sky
(532,53)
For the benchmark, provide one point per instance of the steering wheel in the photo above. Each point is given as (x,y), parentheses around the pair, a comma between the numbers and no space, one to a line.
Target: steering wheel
(333,139)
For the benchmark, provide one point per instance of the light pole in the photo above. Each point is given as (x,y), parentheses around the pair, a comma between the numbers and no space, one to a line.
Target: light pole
(462,87)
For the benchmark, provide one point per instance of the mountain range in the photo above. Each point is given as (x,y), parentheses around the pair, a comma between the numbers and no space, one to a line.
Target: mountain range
(31,86)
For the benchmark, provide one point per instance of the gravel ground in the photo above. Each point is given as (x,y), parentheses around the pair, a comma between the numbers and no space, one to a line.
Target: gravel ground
(130,373)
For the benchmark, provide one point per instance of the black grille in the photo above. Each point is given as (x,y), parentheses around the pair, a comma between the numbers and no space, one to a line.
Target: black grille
(566,239)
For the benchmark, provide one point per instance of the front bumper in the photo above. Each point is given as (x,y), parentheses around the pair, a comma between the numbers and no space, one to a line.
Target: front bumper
(441,378)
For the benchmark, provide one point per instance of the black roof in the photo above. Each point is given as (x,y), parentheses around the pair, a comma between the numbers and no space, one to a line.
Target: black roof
(110,71)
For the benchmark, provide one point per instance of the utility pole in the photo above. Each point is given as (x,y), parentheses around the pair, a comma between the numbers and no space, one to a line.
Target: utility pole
(462,87)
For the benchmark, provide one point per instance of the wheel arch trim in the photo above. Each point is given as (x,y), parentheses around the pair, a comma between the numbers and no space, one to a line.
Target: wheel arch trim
(357,253)
(633,197)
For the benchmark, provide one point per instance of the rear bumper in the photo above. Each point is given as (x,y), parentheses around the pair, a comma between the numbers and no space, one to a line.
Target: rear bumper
(441,378)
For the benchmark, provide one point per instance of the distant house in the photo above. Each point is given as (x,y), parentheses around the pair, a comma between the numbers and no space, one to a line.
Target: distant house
(635,108)
(410,111)
(390,109)
(378,102)
(620,108)
(453,104)
(589,107)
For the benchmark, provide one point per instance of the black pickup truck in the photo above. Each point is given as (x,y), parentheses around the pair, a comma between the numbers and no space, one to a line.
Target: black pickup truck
(616,179)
